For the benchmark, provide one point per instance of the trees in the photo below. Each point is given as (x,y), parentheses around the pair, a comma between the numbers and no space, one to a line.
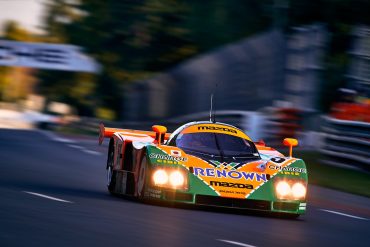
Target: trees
(15,83)
(135,39)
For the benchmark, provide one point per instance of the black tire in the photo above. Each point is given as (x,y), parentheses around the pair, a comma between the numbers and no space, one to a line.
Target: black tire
(141,182)
(111,180)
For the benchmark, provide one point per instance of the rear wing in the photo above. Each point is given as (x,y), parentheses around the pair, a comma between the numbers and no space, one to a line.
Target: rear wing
(106,132)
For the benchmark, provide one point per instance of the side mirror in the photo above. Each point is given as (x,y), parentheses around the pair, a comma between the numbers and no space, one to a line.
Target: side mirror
(290,142)
(160,131)
(260,143)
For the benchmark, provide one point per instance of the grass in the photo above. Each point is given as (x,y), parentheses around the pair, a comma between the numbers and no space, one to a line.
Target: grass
(352,181)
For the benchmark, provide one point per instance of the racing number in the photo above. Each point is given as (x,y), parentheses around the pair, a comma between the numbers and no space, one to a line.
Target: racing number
(278,160)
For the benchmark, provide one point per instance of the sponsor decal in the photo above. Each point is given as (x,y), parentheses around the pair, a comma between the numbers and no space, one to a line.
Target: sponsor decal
(231,185)
(153,193)
(169,162)
(205,127)
(262,166)
(166,157)
(224,165)
(288,169)
(233,174)
(175,153)
(278,160)
(235,192)
(291,173)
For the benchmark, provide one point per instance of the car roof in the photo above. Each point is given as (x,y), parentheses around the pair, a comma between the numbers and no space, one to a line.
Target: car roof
(187,125)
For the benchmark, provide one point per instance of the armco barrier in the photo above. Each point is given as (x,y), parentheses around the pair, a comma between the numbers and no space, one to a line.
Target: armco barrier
(346,143)
(91,125)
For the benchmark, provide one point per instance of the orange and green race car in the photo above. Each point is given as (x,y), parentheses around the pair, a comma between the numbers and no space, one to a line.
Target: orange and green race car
(205,163)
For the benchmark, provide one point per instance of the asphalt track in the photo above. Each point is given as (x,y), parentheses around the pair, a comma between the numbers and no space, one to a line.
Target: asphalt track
(53,193)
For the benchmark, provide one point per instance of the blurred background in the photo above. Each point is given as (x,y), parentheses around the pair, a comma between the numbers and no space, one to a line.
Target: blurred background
(277,68)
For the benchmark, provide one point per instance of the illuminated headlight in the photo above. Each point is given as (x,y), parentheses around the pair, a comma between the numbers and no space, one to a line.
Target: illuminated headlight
(298,190)
(290,190)
(170,178)
(283,189)
(160,177)
(176,179)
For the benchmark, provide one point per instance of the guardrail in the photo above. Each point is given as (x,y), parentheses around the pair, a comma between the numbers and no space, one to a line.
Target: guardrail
(91,125)
(346,143)
(272,132)
(271,129)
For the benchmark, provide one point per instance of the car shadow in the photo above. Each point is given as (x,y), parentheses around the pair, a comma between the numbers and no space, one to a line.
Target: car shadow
(223,210)
(103,194)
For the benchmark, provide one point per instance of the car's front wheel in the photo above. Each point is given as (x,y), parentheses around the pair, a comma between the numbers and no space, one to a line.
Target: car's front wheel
(141,183)
(110,178)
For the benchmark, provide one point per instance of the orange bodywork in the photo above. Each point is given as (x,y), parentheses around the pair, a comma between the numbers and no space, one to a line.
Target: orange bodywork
(106,132)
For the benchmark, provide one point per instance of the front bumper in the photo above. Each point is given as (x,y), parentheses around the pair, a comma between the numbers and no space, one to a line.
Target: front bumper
(291,207)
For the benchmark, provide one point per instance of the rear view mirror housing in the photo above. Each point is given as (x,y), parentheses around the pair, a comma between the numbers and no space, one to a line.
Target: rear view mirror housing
(160,132)
(290,142)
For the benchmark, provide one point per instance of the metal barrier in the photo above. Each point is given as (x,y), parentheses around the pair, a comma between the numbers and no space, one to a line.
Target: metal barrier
(91,125)
(346,143)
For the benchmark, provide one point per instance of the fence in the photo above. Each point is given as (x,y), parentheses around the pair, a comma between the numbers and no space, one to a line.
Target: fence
(88,125)
(346,143)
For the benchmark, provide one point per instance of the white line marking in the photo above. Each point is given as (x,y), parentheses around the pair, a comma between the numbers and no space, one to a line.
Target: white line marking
(74,146)
(348,215)
(91,152)
(236,243)
(54,137)
(47,197)
(84,149)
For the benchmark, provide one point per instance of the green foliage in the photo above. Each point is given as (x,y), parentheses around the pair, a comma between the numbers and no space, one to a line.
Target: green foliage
(134,39)
(12,31)
(10,77)
(4,81)
(105,113)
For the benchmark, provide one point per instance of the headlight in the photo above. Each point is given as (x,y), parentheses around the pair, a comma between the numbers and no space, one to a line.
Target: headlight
(171,178)
(283,189)
(298,190)
(160,177)
(176,179)
(290,189)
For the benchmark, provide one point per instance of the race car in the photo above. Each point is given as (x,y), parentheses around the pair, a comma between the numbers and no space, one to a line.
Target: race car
(205,163)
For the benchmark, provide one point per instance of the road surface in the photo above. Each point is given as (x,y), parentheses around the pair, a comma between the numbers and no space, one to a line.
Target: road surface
(53,193)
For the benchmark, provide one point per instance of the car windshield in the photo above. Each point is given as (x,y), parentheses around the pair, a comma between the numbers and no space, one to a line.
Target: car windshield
(216,144)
